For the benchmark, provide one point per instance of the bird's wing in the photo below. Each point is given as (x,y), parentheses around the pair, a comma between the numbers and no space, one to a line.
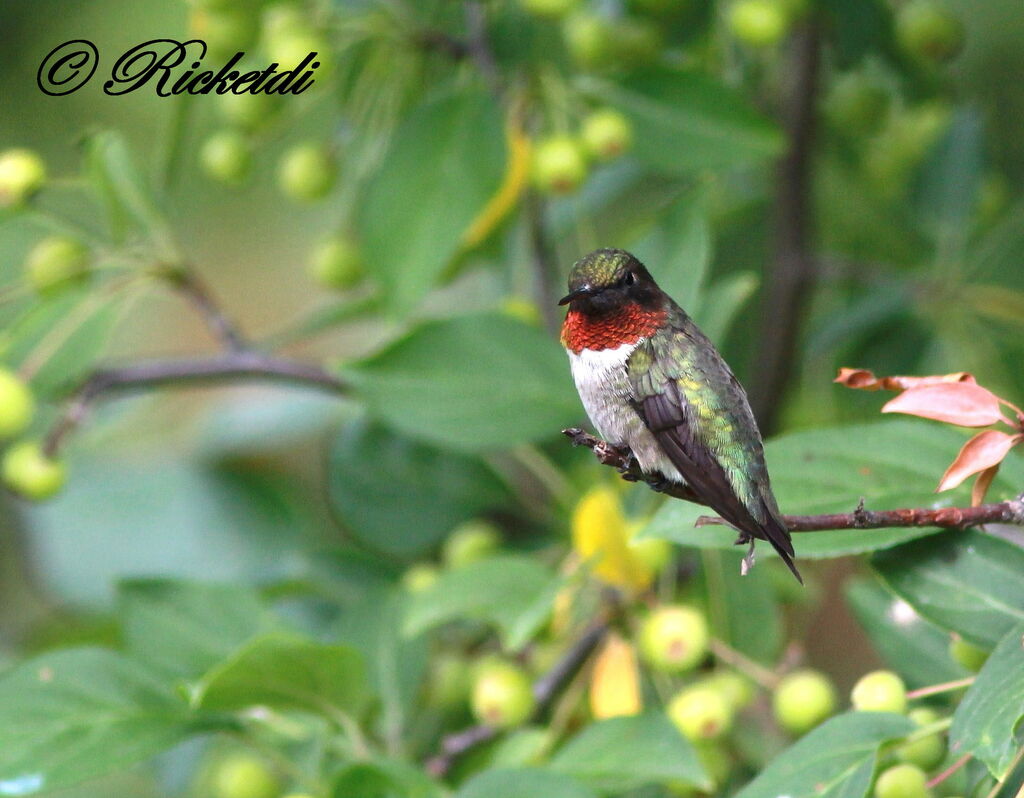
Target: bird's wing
(699,414)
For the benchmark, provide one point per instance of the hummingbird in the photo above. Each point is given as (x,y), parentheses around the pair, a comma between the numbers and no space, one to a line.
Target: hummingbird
(652,382)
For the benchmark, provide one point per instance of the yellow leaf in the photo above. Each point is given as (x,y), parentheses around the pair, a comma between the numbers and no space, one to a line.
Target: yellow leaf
(601,536)
(615,682)
(507,195)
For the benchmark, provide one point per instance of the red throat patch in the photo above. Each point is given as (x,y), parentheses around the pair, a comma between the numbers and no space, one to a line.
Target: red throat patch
(626,326)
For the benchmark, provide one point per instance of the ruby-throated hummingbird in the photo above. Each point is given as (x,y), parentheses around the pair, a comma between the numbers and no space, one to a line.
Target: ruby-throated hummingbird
(651,381)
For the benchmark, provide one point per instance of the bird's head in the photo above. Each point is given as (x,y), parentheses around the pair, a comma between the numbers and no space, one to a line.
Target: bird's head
(609,280)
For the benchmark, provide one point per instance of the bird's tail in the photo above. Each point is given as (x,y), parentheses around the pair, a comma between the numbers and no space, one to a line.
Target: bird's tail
(776,533)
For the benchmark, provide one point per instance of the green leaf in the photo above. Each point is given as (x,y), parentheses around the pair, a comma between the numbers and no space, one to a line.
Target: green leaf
(79,713)
(689,121)
(383,778)
(722,301)
(123,189)
(185,628)
(834,760)
(622,754)
(401,496)
(78,340)
(914,647)
(472,382)
(744,610)
(522,783)
(890,464)
(287,673)
(446,161)
(511,592)
(396,662)
(964,581)
(987,722)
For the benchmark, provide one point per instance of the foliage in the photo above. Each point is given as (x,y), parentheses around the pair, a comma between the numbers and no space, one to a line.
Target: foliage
(264,594)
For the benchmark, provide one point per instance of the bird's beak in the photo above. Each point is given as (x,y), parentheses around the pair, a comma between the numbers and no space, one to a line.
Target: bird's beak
(583,290)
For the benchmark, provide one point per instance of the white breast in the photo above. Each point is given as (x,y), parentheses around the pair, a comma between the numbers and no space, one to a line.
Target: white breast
(604,388)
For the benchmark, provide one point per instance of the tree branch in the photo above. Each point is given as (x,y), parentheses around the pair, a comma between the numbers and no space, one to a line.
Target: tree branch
(545,263)
(238,365)
(189,285)
(1008,512)
(790,275)
(545,691)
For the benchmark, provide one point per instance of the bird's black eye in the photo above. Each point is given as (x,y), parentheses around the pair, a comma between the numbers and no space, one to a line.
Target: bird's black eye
(630,278)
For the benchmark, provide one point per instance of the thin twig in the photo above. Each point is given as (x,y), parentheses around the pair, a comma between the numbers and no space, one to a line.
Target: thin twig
(1008,512)
(545,262)
(243,365)
(545,690)
(949,771)
(479,44)
(192,287)
(766,678)
(936,689)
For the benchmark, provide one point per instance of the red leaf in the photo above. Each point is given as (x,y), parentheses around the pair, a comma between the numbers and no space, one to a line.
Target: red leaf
(981,484)
(865,380)
(980,453)
(962,403)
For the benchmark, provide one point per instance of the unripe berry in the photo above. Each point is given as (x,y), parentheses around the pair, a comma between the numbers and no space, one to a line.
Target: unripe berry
(226,31)
(606,134)
(502,695)
(857,104)
(700,713)
(17,405)
(307,172)
(653,553)
(470,542)
(925,752)
(244,776)
(967,654)
(56,262)
(636,42)
(735,689)
(929,31)
(336,263)
(879,691)
(558,165)
(450,682)
(226,156)
(902,781)
(802,700)
(247,110)
(22,174)
(674,639)
(589,40)
(552,9)
(29,472)
(759,23)
(521,309)
(420,577)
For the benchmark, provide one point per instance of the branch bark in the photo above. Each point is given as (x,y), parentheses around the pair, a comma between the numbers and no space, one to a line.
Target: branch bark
(1008,512)
(233,366)
(545,691)
(790,276)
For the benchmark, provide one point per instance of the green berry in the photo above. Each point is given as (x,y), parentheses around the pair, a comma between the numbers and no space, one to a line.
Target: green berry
(226,156)
(802,700)
(29,472)
(590,40)
(307,172)
(244,776)
(470,542)
(879,691)
(759,23)
(700,713)
(290,49)
(653,553)
(929,31)
(336,263)
(637,42)
(420,577)
(17,405)
(925,752)
(22,174)
(450,682)
(558,165)
(674,638)
(902,781)
(606,134)
(502,695)
(967,654)
(658,8)
(247,110)
(551,9)
(736,689)
(857,105)
(226,31)
(56,262)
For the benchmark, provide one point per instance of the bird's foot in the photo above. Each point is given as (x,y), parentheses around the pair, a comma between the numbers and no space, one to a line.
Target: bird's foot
(748,560)
(657,482)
